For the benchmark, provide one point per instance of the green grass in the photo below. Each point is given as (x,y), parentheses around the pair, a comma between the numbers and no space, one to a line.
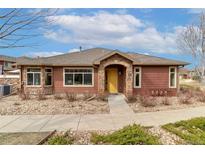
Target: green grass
(129,135)
(192,131)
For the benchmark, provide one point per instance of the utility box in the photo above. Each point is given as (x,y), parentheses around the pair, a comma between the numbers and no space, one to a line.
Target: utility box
(5,90)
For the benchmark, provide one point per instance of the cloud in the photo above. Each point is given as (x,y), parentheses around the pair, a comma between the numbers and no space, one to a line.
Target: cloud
(50,53)
(74,50)
(111,29)
(44,54)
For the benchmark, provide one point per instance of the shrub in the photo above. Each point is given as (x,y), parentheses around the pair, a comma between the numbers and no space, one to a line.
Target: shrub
(57,96)
(61,140)
(201,97)
(102,97)
(24,95)
(129,135)
(71,97)
(147,101)
(41,96)
(16,104)
(131,99)
(166,101)
(185,99)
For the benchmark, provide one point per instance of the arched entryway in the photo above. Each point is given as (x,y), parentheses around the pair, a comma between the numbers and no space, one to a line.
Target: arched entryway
(122,64)
(115,76)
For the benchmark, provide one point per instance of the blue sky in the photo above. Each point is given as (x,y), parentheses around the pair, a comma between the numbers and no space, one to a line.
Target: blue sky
(148,31)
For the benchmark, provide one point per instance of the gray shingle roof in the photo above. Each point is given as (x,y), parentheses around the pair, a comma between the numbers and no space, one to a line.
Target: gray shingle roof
(91,56)
(7,58)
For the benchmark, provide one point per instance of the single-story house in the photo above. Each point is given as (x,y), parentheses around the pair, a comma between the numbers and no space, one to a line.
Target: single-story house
(6,64)
(98,71)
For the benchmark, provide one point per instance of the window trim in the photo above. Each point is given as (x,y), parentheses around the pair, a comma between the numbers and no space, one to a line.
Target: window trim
(140,76)
(175,78)
(78,85)
(40,77)
(45,76)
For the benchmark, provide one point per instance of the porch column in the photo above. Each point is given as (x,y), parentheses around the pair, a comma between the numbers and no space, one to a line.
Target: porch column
(43,79)
(129,81)
(101,80)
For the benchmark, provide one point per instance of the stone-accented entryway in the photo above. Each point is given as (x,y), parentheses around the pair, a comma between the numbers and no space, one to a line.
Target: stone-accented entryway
(116,60)
(118,105)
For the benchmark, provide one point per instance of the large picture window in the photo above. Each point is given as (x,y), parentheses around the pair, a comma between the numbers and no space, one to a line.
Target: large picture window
(137,77)
(172,77)
(34,76)
(78,77)
(48,76)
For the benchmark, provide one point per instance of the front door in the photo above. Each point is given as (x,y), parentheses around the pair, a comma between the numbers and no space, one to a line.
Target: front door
(112,80)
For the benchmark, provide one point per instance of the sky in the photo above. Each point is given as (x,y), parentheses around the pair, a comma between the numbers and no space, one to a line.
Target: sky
(147,31)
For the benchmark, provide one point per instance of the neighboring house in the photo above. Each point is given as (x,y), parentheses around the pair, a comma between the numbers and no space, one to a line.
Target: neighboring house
(185,73)
(99,71)
(6,64)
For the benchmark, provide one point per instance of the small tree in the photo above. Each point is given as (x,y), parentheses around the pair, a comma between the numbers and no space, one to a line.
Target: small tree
(19,25)
(192,40)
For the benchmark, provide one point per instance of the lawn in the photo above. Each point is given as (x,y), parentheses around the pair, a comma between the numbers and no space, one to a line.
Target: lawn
(192,131)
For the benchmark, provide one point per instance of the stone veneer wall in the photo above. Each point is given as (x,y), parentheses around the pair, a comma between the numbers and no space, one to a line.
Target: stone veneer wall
(15,82)
(116,60)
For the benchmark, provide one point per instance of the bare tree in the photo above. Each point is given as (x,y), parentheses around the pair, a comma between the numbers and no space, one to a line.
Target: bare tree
(192,41)
(17,26)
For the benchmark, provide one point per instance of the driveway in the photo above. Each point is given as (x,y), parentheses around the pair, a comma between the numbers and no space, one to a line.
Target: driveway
(121,115)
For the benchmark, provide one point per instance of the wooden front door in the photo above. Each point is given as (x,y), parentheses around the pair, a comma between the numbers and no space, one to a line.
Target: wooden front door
(112,80)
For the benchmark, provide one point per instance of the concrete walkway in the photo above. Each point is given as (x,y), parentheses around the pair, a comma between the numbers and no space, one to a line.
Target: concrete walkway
(118,105)
(117,119)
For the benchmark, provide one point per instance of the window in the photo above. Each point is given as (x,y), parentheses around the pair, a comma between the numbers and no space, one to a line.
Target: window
(7,65)
(172,77)
(48,76)
(137,77)
(78,77)
(33,76)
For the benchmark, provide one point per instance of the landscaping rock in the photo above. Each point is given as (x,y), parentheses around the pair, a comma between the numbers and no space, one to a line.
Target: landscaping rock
(166,137)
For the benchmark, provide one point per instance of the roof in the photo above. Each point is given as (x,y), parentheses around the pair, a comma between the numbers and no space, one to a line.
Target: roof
(93,56)
(7,58)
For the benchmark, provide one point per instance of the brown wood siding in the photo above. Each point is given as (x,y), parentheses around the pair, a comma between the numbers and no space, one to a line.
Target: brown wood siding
(157,78)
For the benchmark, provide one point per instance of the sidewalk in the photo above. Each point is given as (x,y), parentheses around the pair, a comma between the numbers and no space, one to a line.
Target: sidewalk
(40,123)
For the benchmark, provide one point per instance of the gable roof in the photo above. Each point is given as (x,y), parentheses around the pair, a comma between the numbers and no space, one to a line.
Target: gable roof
(7,58)
(93,56)
(109,54)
